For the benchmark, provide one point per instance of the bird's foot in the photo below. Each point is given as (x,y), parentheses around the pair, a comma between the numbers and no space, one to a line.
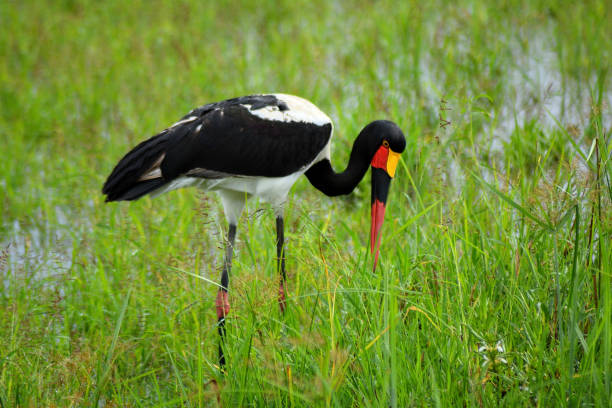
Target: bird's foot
(222,304)
(281,297)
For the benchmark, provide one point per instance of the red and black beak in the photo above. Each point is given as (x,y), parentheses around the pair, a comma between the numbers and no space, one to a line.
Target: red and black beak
(383,169)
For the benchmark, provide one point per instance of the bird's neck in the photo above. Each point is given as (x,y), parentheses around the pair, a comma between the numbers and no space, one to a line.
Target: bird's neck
(323,177)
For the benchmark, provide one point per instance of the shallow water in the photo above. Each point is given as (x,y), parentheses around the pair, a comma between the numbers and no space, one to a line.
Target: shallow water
(41,253)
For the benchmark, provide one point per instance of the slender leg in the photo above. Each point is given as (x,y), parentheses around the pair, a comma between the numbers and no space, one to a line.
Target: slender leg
(222,302)
(280,261)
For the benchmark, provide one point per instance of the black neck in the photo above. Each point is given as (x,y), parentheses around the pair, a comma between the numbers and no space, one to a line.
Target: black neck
(324,178)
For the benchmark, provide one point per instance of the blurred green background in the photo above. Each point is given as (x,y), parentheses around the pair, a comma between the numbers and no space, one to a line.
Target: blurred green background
(494,283)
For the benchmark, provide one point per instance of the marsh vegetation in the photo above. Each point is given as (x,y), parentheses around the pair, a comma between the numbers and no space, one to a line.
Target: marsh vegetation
(494,284)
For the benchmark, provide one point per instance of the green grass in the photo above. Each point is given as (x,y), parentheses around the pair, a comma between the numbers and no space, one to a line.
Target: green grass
(494,285)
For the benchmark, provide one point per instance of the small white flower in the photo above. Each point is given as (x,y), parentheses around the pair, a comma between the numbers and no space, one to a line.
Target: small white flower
(495,354)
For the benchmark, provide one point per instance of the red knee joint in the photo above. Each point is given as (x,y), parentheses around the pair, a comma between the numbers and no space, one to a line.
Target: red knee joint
(222,304)
(281,297)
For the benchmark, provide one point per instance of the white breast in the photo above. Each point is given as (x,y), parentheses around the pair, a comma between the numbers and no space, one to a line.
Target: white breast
(272,190)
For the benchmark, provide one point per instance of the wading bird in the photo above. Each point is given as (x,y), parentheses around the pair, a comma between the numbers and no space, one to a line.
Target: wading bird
(257,146)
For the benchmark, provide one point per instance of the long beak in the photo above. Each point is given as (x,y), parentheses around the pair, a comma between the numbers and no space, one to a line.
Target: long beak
(383,170)
(380,189)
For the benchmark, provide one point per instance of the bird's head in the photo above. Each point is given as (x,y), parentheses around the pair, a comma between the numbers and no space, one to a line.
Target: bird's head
(386,142)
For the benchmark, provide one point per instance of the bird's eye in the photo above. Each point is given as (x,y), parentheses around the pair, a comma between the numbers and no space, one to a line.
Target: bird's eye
(385,143)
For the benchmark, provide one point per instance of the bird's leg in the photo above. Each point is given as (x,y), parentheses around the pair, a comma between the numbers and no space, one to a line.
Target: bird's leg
(280,261)
(222,303)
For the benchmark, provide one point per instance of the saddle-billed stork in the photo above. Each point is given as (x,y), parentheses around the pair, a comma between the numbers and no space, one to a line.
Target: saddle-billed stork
(257,145)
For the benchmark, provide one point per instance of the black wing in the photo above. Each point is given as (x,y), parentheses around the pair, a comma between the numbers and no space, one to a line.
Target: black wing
(220,138)
(232,140)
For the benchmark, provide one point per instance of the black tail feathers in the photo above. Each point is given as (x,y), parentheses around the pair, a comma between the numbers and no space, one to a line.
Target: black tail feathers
(124,183)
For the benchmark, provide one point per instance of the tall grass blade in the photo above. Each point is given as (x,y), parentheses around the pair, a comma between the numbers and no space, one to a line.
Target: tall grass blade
(110,353)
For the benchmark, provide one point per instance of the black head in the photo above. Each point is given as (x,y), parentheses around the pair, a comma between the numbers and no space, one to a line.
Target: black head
(383,132)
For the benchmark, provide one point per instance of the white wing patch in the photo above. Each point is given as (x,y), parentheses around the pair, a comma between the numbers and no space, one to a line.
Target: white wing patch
(299,110)
(154,171)
(180,122)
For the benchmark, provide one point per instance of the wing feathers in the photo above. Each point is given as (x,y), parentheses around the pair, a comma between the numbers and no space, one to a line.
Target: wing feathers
(125,176)
(219,140)
(154,172)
